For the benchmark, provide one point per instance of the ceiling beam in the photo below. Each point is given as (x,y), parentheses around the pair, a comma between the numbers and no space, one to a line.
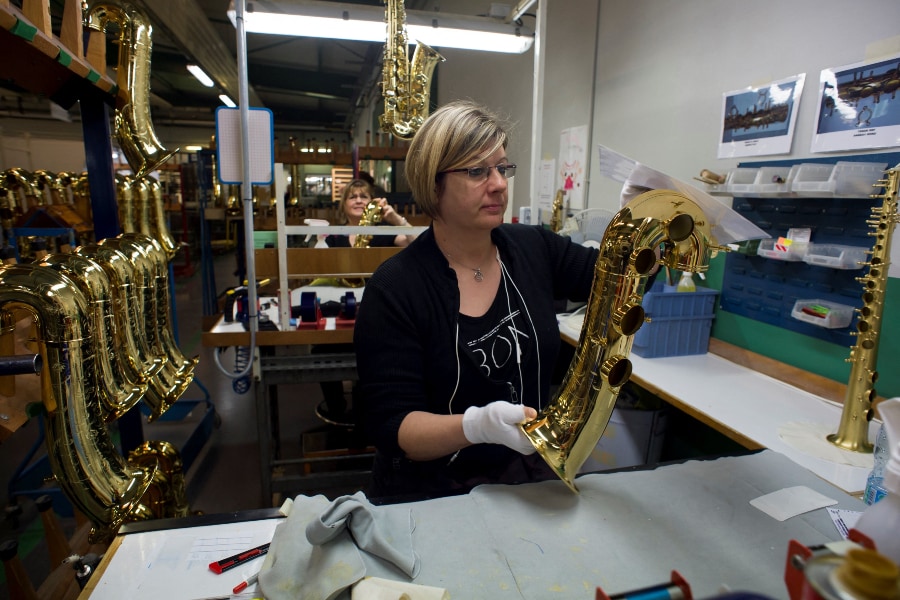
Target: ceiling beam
(189,28)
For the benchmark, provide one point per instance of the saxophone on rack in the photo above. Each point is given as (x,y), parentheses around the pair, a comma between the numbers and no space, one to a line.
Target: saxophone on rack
(133,125)
(405,84)
(83,457)
(566,431)
(853,431)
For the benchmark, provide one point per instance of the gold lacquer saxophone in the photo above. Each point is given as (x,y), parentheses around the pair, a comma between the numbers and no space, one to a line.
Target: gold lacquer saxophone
(567,430)
(172,380)
(853,431)
(153,250)
(151,216)
(405,85)
(134,128)
(557,211)
(84,460)
(118,393)
(371,216)
(139,361)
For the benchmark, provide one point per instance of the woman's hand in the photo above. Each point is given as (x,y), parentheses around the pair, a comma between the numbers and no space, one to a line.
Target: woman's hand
(389,215)
(499,423)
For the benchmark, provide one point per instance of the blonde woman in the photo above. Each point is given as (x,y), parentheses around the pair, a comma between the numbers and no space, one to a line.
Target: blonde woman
(456,338)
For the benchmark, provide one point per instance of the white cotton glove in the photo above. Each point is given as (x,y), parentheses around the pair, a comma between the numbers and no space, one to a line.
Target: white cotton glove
(497,423)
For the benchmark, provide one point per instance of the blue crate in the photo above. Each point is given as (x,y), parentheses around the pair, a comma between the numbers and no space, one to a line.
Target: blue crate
(679,325)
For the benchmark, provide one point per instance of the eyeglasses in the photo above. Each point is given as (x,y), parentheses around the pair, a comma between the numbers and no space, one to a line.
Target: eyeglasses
(482,173)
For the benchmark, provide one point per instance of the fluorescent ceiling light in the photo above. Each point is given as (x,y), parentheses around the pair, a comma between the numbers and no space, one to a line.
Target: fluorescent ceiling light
(201,75)
(227,101)
(334,20)
(193,148)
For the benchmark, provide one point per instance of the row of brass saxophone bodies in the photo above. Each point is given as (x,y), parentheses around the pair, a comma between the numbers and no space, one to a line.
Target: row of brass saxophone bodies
(106,343)
(569,427)
(405,84)
(853,430)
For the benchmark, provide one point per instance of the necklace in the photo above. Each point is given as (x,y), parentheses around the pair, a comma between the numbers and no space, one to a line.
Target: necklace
(479,276)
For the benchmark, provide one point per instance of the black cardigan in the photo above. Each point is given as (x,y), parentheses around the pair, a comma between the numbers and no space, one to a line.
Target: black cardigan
(408,357)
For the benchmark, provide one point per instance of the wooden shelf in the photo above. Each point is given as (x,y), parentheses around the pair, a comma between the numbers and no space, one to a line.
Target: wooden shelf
(42,64)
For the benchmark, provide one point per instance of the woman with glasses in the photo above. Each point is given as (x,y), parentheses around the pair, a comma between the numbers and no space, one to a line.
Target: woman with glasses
(457,337)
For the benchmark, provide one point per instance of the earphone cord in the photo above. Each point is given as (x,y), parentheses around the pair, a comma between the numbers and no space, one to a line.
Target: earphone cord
(537,348)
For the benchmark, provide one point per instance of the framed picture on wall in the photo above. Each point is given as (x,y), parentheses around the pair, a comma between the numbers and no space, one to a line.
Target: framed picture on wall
(859,106)
(760,120)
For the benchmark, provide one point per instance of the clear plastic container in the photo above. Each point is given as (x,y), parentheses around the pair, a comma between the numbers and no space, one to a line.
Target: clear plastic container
(823,313)
(794,252)
(844,179)
(836,256)
(769,181)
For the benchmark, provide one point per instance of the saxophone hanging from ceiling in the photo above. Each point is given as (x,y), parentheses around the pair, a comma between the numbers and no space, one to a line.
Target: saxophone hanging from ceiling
(567,430)
(134,128)
(853,431)
(405,84)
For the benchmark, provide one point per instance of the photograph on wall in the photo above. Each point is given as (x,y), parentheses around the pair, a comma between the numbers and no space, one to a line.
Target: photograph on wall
(858,107)
(572,156)
(760,120)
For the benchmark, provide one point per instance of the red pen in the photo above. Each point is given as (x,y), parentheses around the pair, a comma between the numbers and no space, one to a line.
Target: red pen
(244,584)
(231,562)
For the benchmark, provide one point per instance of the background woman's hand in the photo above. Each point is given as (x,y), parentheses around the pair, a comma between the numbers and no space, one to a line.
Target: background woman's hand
(389,215)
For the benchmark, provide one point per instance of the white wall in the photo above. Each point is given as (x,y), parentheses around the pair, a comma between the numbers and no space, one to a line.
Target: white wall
(505,82)
(663,65)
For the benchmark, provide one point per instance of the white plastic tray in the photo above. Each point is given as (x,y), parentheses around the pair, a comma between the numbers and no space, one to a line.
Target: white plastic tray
(836,256)
(833,315)
(844,179)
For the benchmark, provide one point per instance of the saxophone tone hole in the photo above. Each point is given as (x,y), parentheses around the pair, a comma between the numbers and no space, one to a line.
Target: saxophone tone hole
(618,372)
(632,319)
(680,227)
(644,260)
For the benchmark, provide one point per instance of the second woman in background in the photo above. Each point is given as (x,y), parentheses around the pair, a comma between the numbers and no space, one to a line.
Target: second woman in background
(356,196)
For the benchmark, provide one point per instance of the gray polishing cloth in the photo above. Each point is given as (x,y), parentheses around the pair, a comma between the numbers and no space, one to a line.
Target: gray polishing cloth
(324,547)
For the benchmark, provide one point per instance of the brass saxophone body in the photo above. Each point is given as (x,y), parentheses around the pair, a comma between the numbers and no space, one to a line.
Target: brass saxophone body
(158,259)
(556,216)
(172,380)
(371,216)
(139,361)
(84,460)
(405,84)
(853,431)
(133,125)
(569,427)
(119,393)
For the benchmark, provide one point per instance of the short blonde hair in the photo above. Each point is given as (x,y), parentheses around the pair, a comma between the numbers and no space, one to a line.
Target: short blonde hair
(456,135)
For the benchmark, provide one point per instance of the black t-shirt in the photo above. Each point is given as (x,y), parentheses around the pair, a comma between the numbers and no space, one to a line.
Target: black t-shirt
(496,339)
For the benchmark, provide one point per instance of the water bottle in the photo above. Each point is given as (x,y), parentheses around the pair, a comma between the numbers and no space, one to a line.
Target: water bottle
(875,490)
(686,283)
(880,522)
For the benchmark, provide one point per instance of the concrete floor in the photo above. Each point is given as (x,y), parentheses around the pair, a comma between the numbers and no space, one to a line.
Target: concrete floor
(224,476)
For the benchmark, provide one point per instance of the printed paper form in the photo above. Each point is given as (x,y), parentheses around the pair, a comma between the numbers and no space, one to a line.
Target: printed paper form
(174,563)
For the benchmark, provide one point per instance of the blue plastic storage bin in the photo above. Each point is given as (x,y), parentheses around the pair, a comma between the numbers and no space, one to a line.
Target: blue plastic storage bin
(679,325)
